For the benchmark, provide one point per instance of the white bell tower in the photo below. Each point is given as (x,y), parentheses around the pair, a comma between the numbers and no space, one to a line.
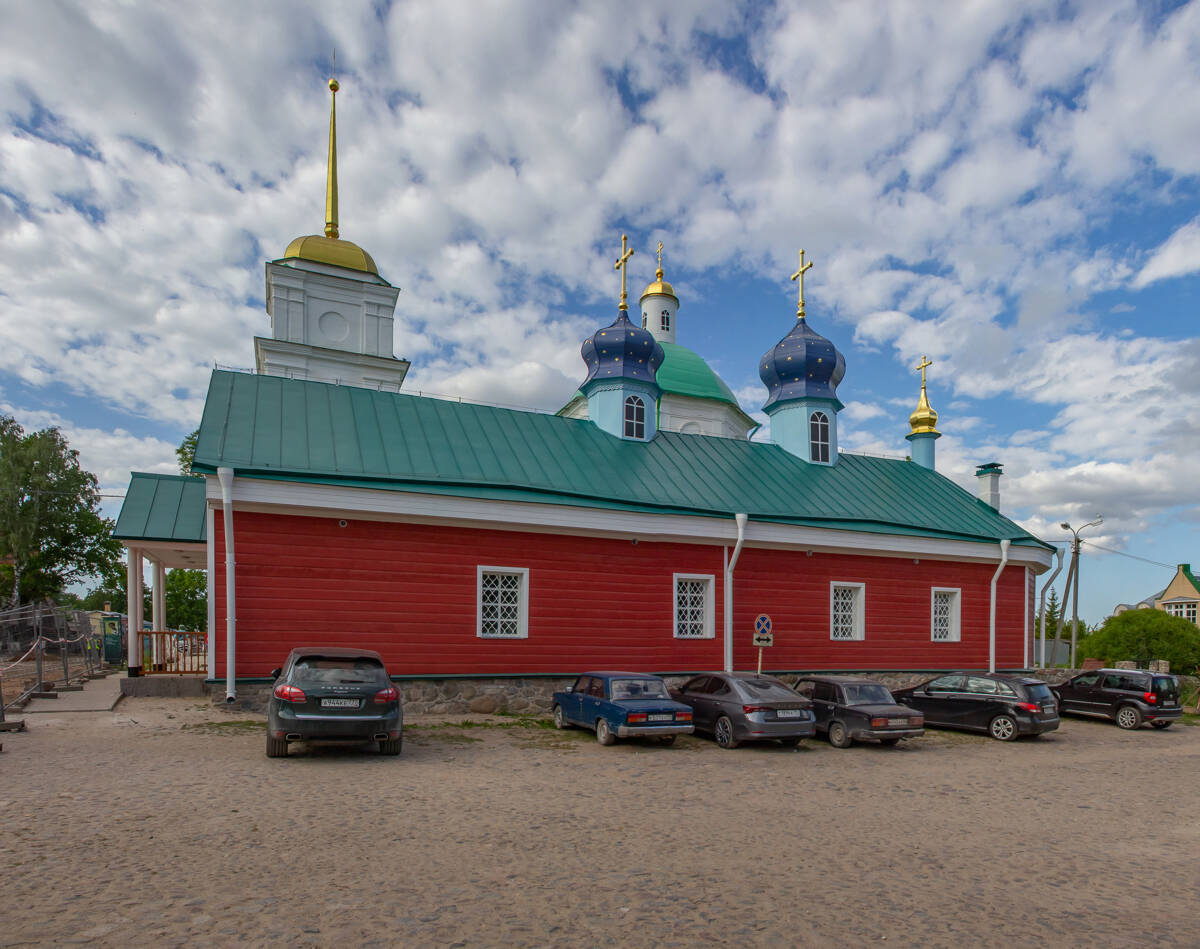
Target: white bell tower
(331,312)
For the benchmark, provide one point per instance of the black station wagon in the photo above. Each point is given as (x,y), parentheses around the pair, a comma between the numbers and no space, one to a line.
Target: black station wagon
(1004,706)
(850,708)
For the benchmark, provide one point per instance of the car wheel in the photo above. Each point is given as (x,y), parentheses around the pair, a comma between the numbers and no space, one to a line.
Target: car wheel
(1003,728)
(560,720)
(668,740)
(391,746)
(604,734)
(723,733)
(1129,717)
(1160,725)
(889,742)
(790,742)
(838,736)
(276,747)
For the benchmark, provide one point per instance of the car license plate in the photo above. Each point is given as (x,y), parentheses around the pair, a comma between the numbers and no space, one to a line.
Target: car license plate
(916,721)
(662,717)
(339,703)
(789,713)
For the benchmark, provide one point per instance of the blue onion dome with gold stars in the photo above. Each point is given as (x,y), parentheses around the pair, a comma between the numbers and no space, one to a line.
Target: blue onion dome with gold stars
(802,365)
(621,351)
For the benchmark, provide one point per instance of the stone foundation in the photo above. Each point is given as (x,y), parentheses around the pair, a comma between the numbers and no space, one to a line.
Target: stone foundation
(532,695)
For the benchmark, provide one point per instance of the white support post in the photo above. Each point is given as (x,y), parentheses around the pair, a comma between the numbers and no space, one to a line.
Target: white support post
(133,609)
(158,599)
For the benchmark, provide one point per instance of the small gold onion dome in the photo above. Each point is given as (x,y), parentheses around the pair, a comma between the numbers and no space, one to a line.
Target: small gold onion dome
(659,286)
(924,419)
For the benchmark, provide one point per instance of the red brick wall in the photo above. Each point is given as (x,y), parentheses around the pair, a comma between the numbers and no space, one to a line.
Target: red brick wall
(409,591)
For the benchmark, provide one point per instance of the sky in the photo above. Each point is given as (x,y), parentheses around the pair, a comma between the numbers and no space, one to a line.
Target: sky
(1010,188)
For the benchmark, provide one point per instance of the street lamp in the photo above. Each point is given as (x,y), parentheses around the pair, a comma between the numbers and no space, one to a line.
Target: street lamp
(1075,564)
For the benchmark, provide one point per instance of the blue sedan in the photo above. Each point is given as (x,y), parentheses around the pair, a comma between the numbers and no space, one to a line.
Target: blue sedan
(622,705)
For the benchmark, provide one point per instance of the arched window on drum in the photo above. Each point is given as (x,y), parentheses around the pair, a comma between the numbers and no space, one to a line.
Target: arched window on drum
(818,437)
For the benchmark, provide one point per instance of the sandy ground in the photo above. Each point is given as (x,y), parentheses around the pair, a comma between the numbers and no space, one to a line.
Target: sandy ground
(163,823)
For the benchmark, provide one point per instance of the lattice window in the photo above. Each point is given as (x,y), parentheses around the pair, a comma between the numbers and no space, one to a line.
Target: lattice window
(1184,610)
(502,603)
(944,626)
(693,607)
(846,611)
(665,321)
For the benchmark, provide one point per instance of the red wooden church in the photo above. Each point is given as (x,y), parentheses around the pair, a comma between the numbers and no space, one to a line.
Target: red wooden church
(639,528)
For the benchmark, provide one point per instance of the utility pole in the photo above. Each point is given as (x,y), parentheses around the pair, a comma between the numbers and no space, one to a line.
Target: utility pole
(1075,567)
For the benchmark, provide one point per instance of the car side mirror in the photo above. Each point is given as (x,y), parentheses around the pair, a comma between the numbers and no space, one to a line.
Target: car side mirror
(276,673)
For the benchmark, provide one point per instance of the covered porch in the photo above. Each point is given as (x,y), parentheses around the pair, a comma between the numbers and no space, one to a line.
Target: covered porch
(164,523)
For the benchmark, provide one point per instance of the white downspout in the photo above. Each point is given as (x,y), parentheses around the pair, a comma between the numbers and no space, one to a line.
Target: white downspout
(1042,607)
(225,475)
(729,567)
(211,592)
(1004,545)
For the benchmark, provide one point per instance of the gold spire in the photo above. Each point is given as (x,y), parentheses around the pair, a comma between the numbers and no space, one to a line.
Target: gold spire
(924,420)
(798,276)
(330,249)
(331,210)
(660,286)
(622,265)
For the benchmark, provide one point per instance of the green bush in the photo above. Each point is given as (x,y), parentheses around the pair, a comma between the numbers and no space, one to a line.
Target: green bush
(1143,635)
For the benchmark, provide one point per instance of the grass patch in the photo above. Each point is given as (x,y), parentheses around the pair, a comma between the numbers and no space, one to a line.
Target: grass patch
(512,721)
(1189,718)
(228,728)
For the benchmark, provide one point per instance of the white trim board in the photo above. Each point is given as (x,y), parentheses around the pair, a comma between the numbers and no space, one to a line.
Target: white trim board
(322,500)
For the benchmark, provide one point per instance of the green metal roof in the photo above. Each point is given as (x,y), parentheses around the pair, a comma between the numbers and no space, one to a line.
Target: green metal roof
(162,507)
(267,426)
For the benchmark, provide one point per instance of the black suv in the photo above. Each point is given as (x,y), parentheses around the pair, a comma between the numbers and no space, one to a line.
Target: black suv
(1004,706)
(1127,696)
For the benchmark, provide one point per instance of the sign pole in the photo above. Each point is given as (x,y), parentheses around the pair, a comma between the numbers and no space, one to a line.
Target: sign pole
(760,660)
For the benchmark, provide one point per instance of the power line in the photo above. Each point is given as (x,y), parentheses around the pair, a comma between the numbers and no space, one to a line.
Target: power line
(1121,553)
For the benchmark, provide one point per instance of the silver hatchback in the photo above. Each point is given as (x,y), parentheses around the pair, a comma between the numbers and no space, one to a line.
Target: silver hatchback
(740,706)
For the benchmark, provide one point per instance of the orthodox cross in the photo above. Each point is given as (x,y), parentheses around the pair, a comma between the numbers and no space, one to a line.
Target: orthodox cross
(660,256)
(622,265)
(798,276)
(925,364)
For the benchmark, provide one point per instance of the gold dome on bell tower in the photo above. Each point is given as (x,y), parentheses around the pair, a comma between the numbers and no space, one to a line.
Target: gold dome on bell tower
(329,248)
(924,420)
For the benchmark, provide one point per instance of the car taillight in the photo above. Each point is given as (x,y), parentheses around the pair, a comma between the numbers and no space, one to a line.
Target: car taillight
(1029,707)
(753,708)
(879,723)
(1150,697)
(636,717)
(289,693)
(390,694)
(683,716)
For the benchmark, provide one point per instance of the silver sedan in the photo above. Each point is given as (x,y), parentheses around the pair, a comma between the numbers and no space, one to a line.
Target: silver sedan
(740,706)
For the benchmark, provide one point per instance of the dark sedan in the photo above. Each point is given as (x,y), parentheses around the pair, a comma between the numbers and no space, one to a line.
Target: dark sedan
(1003,706)
(850,709)
(332,694)
(740,706)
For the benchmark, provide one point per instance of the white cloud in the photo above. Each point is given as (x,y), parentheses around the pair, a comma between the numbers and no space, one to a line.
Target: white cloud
(1177,256)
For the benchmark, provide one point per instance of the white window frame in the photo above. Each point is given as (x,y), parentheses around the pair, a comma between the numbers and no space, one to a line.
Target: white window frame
(709,585)
(955,614)
(860,610)
(664,321)
(635,427)
(820,445)
(523,609)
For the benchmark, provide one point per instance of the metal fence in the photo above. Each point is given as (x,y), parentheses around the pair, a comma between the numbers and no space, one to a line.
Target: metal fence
(41,646)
